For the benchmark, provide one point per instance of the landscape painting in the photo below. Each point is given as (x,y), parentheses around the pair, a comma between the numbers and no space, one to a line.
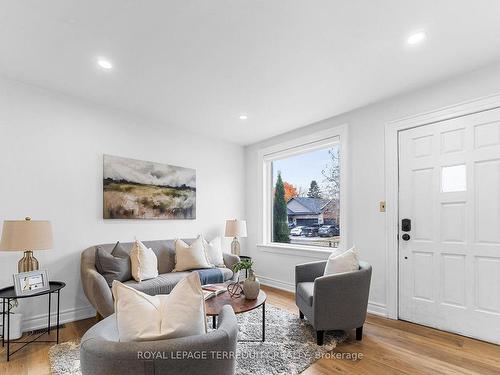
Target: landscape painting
(136,189)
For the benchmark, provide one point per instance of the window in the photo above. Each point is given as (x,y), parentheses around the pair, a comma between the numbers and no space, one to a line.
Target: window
(453,179)
(303,193)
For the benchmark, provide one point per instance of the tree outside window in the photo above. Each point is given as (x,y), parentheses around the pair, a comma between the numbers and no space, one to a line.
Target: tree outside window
(280,220)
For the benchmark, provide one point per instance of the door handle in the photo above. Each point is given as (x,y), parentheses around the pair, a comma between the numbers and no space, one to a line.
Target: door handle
(406,237)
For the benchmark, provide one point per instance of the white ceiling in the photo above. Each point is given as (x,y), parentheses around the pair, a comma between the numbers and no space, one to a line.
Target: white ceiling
(199,64)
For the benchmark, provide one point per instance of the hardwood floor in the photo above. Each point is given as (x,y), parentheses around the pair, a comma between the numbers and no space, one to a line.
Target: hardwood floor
(34,359)
(388,347)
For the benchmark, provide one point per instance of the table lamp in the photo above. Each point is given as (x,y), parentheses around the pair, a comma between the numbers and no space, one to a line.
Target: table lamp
(26,235)
(236,228)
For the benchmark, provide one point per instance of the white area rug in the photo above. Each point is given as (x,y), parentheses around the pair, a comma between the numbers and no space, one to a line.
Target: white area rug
(290,346)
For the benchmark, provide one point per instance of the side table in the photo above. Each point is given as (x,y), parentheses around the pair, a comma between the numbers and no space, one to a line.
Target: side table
(8,294)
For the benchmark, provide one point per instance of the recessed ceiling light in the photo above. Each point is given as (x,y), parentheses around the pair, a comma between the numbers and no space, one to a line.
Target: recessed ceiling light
(243,117)
(104,64)
(416,38)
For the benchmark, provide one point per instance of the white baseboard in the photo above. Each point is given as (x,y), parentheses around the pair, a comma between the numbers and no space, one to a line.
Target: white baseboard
(374,308)
(278,284)
(66,316)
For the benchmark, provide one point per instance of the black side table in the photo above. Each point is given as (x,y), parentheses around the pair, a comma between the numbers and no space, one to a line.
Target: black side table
(8,294)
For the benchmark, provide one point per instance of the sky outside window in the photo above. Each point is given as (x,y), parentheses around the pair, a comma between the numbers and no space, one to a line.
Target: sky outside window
(300,170)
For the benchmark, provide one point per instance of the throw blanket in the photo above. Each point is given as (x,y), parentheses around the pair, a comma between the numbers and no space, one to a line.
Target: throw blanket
(210,276)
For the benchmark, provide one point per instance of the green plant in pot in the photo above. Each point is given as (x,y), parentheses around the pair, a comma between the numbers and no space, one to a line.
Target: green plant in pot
(251,285)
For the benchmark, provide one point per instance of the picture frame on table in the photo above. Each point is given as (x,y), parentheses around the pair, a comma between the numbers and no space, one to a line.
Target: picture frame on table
(27,283)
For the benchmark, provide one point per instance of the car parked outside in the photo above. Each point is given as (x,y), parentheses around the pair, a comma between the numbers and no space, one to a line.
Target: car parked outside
(311,231)
(329,231)
(297,231)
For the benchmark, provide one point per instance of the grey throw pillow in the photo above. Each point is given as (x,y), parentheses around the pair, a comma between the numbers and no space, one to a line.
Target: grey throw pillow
(114,266)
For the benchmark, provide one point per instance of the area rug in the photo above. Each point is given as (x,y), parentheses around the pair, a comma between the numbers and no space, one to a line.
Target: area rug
(290,346)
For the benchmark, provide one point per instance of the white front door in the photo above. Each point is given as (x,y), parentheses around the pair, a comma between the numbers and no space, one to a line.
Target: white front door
(449,260)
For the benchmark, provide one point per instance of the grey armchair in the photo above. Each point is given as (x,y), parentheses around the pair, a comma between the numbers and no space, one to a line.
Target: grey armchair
(213,353)
(334,301)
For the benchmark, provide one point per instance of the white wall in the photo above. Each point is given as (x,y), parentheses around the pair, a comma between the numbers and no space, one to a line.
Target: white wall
(366,175)
(51,149)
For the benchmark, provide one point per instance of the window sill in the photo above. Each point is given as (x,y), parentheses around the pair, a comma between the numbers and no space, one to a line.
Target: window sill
(296,250)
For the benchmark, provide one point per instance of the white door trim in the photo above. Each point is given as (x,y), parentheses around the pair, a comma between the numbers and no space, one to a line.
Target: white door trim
(392,181)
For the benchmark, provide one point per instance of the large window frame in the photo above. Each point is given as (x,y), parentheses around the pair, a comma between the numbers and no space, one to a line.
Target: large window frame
(317,140)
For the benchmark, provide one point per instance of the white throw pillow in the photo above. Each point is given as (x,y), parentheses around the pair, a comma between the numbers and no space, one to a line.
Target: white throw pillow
(141,317)
(143,261)
(138,315)
(214,251)
(190,257)
(344,262)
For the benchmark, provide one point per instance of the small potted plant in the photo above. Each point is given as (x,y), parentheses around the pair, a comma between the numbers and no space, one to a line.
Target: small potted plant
(251,285)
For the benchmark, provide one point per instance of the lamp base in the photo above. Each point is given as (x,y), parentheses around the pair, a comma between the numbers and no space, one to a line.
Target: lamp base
(235,246)
(27,263)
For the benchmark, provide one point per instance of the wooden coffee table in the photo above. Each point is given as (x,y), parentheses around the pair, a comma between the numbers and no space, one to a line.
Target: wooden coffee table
(213,307)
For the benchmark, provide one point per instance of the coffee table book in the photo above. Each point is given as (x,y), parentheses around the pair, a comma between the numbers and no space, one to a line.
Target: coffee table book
(212,290)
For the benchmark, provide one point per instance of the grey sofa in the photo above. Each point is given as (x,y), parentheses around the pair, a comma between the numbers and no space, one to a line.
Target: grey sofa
(99,293)
(334,301)
(213,353)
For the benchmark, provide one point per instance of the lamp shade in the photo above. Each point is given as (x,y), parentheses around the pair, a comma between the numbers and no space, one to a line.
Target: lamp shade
(236,228)
(22,235)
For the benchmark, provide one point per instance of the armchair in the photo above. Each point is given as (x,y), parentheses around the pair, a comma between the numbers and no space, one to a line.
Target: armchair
(331,302)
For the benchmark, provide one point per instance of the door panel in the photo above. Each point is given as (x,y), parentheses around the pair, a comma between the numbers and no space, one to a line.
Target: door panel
(487,134)
(449,186)
(452,222)
(422,206)
(452,141)
(423,284)
(487,201)
(453,286)
(487,274)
